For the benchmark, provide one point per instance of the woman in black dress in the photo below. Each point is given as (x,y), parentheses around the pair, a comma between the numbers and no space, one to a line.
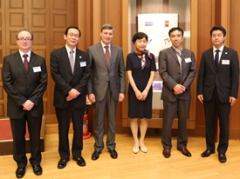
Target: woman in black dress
(140,71)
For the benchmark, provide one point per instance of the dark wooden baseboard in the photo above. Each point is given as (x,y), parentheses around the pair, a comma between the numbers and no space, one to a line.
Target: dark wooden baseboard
(7,147)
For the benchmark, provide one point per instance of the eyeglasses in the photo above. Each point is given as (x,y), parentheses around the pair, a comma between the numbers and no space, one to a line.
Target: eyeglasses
(25,38)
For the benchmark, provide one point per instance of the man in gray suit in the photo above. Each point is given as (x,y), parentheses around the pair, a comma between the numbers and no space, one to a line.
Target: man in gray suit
(177,70)
(106,88)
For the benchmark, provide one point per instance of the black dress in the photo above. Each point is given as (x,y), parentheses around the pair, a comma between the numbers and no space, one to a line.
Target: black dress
(136,108)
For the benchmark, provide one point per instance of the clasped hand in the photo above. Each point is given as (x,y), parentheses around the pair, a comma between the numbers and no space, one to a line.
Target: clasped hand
(141,96)
(28,105)
(179,89)
(72,94)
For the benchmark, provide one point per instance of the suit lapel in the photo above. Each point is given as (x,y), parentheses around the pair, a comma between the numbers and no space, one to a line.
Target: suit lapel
(224,55)
(210,56)
(101,54)
(31,62)
(174,55)
(77,60)
(20,62)
(184,56)
(66,61)
(113,55)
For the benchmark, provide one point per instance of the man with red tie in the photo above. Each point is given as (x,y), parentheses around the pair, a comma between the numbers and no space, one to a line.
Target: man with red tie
(106,88)
(25,80)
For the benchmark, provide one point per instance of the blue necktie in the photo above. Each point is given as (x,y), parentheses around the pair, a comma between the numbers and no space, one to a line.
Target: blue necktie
(216,57)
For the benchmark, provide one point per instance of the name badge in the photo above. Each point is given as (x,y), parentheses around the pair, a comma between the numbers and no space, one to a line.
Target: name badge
(83,64)
(188,60)
(225,62)
(37,69)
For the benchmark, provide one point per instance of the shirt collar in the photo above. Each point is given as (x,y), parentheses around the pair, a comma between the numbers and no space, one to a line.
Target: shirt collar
(103,45)
(220,49)
(22,53)
(70,49)
(179,51)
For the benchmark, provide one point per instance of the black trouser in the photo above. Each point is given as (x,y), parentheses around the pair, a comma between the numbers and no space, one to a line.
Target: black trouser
(63,117)
(215,109)
(19,130)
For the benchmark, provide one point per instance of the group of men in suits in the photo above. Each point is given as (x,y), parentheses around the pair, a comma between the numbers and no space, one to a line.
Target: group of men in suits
(217,89)
(99,73)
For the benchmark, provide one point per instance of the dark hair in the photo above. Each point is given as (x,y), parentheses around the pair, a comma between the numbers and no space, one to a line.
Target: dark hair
(106,26)
(174,29)
(26,31)
(139,35)
(221,28)
(72,27)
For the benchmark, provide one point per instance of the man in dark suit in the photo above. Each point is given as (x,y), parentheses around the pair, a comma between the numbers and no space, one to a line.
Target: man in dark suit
(177,70)
(217,89)
(106,88)
(25,80)
(70,71)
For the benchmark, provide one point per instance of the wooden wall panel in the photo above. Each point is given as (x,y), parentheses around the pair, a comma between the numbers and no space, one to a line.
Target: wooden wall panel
(85,23)
(14,4)
(206,19)
(113,17)
(233,36)
(38,4)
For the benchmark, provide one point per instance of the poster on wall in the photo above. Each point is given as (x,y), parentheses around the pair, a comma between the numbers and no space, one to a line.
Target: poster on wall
(156,26)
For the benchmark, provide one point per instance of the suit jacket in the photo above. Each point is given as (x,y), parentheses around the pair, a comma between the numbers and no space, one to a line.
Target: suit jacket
(171,73)
(103,75)
(21,85)
(65,80)
(224,78)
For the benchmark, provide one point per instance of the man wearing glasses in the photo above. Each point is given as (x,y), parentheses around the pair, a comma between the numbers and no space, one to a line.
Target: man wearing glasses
(25,80)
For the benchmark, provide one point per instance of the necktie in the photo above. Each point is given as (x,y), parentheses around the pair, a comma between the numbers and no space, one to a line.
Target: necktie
(71,59)
(25,61)
(216,57)
(180,58)
(107,54)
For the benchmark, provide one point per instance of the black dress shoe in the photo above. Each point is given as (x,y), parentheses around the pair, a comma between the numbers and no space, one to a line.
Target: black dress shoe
(80,161)
(184,151)
(166,152)
(62,163)
(37,169)
(222,157)
(113,153)
(95,155)
(207,153)
(20,172)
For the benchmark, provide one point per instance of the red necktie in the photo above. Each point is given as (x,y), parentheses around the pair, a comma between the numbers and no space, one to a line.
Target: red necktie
(107,54)
(25,62)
